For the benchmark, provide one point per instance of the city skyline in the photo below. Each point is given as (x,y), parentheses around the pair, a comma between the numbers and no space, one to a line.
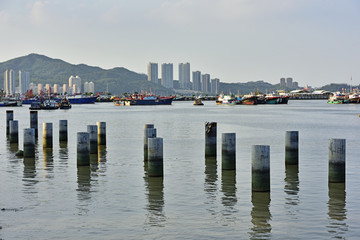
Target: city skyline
(315,42)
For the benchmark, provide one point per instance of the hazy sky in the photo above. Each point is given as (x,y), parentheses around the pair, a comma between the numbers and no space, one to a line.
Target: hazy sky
(314,41)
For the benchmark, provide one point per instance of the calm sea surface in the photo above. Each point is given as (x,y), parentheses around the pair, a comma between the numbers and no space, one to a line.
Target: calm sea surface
(50,198)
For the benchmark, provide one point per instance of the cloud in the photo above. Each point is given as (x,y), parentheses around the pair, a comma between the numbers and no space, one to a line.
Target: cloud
(38,12)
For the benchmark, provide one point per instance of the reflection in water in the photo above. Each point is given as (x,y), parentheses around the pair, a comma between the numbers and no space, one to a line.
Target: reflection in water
(260,215)
(102,153)
(48,162)
(228,187)
(155,196)
(84,186)
(29,177)
(291,188)
(337,210)
(13,147)
(63,153)
(210,186)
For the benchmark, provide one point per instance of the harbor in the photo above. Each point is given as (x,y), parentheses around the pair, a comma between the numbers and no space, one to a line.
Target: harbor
(115,197)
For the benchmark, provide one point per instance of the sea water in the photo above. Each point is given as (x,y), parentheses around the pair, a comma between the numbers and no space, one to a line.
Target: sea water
(49,197)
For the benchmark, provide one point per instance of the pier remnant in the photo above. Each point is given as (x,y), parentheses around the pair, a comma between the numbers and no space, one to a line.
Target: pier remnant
(337,156)
(63,130)
(260,172)
(29,142)
(101,133)
(9,117)
(34,121)
(228,152)
(83,149)
(93,138)
(292,148)
(47,135)
(210,139)
(155,157)
(14,131)
(149,132)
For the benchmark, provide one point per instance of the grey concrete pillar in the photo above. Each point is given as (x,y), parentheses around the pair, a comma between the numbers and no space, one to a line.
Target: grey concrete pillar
(210,139)
(155,157)
(228,151)
(63,130)
(9,117)
(260,171)
(47,135)
(83,149)
(34,121)
(93,138)
(292,148)
(337,155)
(149,132)
(29,142)
(14,131)
(101,133)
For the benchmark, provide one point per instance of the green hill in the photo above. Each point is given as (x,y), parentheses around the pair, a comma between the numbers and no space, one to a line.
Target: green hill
(48,70)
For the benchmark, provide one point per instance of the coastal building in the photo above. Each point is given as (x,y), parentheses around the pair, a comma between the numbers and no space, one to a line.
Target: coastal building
(56,89)
(153,72)
(89,87)
(24,82)
(215,84)
(9,82)
(205,83)
(282,82)
(167,77)
(75,84)
(48,89)
(196,77)
(33,88)
(289,82)
(184,75)
(65,89)
(295,85)
(39,88)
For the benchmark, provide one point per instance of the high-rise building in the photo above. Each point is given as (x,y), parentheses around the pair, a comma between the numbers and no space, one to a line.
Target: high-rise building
(215,84)
(40,88)
(205,83)
(65,89)
(89,87)
(167,77)
(56,88)
(24,82)
(9,82)
(289,82)
(75,84)
(282,82)
(196,77)
(153,72)
(184,75)
(295,85)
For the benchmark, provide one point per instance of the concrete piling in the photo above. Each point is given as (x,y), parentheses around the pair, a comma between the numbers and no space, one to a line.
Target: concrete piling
(292,148)
(228,152)
(155,157)
(34,121)
(47,135)
(29,142)
(63,130)
(14,131)
(210,139)
(260,172)
(93,138)
(9,117)
(149,132)
(337,153)
(101,133)
(83,149)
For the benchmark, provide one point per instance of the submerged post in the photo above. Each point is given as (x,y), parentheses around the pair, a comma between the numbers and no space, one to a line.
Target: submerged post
(149,132)
(155,157)
(83,149)
(34,121)
(292,148)
(93,138)
(29,142)
(228,152)
(101,133)
(63,130)
(47,135)
(14,131)
(210,139)
(260,171)
(9,117)
(337,153)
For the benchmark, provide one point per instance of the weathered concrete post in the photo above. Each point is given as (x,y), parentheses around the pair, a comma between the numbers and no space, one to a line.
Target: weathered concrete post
(9,117)
(155,157)
(93,138)
(228,152)
(63,130)
(260,172)
(210,139)
(149,132)
(47,135)
(34,121)
(292,148)
(29,142)
(337,153)
(83,149)
(14,131)
(101,133)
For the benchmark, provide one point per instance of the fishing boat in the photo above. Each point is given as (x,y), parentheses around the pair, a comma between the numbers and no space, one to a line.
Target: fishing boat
(10,102)
(338,98)
(247,100)
(198,102)
(276,99)
(64,104)
(225,99)
(81,99)
(147,99)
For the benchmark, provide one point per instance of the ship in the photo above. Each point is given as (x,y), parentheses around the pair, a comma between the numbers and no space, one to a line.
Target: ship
(81,99)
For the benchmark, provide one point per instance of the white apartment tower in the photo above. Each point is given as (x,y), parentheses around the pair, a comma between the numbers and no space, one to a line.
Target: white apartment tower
(9,82)
(75,84)
(167,77)
(184,75)
(89,87)
(153,73)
